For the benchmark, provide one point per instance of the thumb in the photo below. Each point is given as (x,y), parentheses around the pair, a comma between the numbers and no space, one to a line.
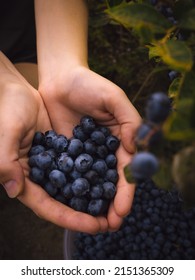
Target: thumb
(11,172)
(128,118)
(12,179)
(128,132)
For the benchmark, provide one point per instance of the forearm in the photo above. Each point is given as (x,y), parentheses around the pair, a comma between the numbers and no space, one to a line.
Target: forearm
(61,35)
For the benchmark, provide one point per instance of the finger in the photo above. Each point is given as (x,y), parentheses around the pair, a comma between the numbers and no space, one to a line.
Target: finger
(127,117)
(51,210)
(124,198)
(114,220)
(11,173)
(125,191)
(129,120)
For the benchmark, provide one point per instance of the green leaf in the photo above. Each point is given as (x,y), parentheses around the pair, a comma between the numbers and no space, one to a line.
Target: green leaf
(128,174)
(188,85)
(181,123)
(174,90)
(176,54)
(188,20)
(182,6)
(137,15)
(145,34)
(153,51)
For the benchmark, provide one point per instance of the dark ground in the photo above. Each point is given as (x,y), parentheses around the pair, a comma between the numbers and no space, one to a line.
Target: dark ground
(25,236)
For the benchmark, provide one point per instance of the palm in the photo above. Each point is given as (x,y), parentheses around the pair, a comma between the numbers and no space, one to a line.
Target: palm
(91,94)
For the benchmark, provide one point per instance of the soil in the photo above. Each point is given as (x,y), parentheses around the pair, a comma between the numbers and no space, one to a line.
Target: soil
(25,236)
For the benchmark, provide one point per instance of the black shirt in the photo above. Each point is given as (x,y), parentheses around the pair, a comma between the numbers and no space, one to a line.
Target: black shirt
(17,30)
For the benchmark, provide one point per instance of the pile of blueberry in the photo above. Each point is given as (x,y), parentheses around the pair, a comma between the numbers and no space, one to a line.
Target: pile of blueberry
(157,228)
(79,172)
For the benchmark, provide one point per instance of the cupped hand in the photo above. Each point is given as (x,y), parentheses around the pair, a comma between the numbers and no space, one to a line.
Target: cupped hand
(22,113)
(79,92)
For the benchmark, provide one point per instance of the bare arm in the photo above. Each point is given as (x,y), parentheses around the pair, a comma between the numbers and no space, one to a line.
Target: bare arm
(61,35)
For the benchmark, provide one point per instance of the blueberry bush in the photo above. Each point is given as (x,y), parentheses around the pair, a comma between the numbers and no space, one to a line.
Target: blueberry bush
(167,30)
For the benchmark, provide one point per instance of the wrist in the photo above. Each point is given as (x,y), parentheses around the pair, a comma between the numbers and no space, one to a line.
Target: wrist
(60,80)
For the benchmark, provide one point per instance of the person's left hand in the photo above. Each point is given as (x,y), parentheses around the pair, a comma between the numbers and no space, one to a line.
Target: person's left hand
(83,92)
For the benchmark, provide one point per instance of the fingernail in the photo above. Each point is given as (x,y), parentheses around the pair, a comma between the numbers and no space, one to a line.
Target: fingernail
(11,188)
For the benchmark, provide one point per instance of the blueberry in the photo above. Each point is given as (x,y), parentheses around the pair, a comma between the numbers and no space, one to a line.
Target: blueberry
(100,167)
(98,137)
(65,163)
(57,178)
(172,75)
(89,147)
(111,161)
(52,153)
(111,175)
(96,191)
(97,207)
(50,137)
(79,133)
(37,175)
(75,147)
(32,161)
(158,107)
(88,124)
(74,174)
(112,143)
(155,219)
(155,192)
(104,130)
(79,203)
(51,167)
(43,160)
(80,187)
(59,197)
(160,238)
(83,162)
(109,190)
(92,176)
(148,135)
(50,189)
(101,151)
(67,191)
(38,139)
(60,143)
(35,150)
(143,165)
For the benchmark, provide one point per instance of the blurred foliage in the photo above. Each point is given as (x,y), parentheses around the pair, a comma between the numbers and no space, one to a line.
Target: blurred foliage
(115,53)
(136,44)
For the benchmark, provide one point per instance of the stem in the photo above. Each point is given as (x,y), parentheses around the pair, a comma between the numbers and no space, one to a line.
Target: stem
(155,70)
(107,4)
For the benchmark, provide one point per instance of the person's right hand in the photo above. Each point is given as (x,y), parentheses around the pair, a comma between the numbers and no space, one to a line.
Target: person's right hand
(22,113)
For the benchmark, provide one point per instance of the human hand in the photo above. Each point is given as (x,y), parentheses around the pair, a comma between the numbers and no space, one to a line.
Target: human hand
(22,113)
(83,92)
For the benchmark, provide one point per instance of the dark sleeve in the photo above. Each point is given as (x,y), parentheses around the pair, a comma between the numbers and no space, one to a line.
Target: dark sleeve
(17,30)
